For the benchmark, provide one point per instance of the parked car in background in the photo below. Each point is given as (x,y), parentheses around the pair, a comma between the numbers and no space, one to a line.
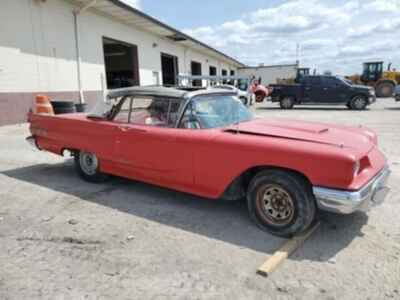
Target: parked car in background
(323,89)
(397,93)
(209,144)
(244,96)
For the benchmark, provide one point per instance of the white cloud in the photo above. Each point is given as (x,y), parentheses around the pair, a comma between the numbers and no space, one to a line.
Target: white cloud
(133,3)
(331,35)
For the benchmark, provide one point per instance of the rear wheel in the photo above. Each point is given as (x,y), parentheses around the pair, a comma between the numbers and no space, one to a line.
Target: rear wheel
(384,89)
(358,103)
(281,202)
(88,167)
(259,97)
(287,102)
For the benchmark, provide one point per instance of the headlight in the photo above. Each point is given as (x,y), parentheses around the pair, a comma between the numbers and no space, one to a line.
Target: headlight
(356,168)
(372,92)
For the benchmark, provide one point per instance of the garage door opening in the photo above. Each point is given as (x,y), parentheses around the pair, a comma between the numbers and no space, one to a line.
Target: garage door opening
(169,68)
(196,70)
(121,64)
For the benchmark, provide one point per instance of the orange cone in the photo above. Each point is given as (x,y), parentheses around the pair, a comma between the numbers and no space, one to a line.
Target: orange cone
(43,105)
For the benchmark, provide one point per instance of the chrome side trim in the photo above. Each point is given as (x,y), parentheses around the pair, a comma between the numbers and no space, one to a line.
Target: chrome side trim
(347,202)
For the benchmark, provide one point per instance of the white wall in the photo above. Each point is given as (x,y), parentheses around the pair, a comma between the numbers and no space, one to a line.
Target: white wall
(37,48)
(269,74)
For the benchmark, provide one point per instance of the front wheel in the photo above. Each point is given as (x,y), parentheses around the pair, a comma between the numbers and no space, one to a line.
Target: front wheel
(385,89)
(88,167)
(358,103)
(281,202)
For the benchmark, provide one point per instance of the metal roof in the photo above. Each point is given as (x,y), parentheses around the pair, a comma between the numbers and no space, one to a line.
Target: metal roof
(132,16)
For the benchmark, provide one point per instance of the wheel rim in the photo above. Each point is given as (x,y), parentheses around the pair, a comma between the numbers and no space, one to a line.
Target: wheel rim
(359,103)
(286,102)
(88,162)
(275,205)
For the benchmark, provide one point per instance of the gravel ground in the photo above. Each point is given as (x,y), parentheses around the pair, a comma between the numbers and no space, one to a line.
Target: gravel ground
(62,238)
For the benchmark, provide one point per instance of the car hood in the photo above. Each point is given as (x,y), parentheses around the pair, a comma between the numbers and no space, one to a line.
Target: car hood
(360,139)
(361,87)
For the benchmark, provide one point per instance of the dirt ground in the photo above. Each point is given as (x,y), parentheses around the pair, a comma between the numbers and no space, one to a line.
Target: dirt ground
(63,238)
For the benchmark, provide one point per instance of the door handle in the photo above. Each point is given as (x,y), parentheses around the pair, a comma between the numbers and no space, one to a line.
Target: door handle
(123,128)
(131,129)
(325,89)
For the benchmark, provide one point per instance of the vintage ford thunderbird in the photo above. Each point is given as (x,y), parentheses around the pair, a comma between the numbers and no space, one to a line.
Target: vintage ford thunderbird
(209,144)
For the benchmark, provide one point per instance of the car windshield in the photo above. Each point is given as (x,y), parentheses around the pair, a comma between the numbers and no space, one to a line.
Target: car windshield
(102,108)
(344,80)
(214,111)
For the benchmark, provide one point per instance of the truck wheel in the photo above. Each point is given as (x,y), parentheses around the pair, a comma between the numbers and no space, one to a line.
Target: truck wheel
(87,165)
(281,202)
(384,89)
(287,102)
(358,103)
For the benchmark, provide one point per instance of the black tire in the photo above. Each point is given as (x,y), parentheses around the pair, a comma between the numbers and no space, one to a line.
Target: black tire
(63,107)
(384,89)
(358,102)
(95,176)
(303,207)
(286,102)
(63,104)
(244,100)
(348,105)
(62,110)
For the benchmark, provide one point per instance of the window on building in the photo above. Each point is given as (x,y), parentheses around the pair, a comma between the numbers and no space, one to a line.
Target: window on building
(169,66)
(121,64)
(196,70)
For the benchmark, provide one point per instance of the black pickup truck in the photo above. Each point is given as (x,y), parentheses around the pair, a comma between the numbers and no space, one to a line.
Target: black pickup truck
(323,89)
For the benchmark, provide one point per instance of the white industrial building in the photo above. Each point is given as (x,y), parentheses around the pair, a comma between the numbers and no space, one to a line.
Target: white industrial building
(64,48)
(269,74)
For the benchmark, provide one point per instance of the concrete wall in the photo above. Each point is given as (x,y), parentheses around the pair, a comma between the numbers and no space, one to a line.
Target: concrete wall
(269,74)
(37,53)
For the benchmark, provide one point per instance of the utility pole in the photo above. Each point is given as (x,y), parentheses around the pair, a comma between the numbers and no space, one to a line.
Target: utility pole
(298,54)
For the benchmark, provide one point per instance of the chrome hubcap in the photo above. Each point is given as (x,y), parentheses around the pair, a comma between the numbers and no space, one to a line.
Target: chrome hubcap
(88,162)
(359,103)
(286,102)
(276,205)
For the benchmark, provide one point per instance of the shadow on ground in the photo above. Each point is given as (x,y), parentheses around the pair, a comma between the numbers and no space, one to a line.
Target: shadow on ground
(221,220)
(310,108)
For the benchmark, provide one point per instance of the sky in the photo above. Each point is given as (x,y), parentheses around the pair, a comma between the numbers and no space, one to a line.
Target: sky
(333,35)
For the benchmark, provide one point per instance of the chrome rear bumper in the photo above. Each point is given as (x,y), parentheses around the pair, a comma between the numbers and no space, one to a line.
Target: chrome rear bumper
(347,202)
(32,141)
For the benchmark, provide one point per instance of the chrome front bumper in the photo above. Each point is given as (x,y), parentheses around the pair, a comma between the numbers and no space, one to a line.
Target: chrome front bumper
(347,202)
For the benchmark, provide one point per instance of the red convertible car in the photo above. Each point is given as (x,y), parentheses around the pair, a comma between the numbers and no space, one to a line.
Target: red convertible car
(209,144)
